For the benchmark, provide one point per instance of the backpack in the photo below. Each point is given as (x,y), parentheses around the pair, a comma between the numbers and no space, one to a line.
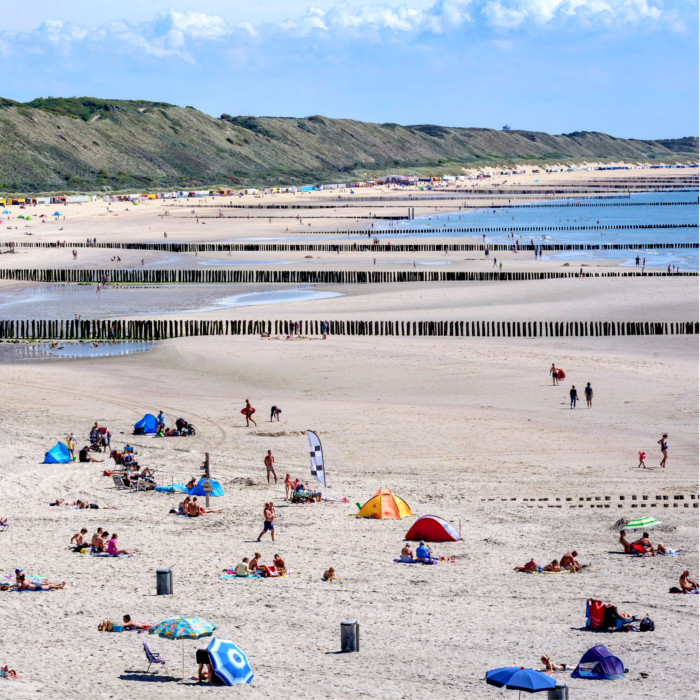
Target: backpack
(646,625)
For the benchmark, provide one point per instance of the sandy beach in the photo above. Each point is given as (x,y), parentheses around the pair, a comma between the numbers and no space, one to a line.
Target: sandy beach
(470,429)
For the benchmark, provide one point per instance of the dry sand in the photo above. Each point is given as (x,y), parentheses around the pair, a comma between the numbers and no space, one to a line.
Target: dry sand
(465,428)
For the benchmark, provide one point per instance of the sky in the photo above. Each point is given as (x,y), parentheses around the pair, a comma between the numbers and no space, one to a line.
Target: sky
(624,67)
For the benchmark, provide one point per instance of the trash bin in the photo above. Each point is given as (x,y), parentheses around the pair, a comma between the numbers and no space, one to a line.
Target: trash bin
(164,582)
(349,635)
(559,692)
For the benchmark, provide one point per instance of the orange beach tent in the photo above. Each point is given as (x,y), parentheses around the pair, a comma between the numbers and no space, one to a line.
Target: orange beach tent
(384,505)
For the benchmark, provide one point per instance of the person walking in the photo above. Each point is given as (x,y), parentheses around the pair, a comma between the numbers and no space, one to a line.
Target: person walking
(270,466)
(248,412)
(269,521)
(664,449)
(573,395)
(588,391)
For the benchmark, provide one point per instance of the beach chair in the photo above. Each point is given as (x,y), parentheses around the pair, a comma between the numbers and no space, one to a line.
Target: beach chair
(595,612)
(118,482)
(154,658)
(4,528)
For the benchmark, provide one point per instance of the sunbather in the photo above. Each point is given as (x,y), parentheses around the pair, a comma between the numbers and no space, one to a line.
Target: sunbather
(85,456)
(191,484)
(644,545)
(549,666)
(407,553)
(61,502)
(623,541)
(552,566)
(84,505)
(424,553)
(687,584)
(530,566)
(568,561)
(98,540)
(3,522)
(254,563)
(79,539)
(184,506)
(36,585)
(112,548)
(129,625)
(662,549)
(242,569)
(278,562)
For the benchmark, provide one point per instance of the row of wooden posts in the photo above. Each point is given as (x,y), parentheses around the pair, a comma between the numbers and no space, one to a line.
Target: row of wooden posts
(246,276)
(149,329)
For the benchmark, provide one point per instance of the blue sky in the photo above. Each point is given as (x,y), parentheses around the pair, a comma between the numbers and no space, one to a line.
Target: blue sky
(625,67)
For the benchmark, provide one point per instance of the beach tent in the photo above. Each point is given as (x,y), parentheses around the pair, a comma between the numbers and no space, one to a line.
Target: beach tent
(58,454)
(432,528)
(384,505)
(599,664)
(146,426)
(198,490)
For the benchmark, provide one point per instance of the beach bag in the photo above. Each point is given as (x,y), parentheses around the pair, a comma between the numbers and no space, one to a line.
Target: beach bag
(105,626)
(675,589)
(646,625)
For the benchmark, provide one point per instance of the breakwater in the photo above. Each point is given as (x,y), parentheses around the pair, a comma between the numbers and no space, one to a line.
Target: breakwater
(52,329)
(247,276)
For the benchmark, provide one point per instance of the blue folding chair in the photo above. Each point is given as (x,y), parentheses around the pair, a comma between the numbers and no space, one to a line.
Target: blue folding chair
(154,658)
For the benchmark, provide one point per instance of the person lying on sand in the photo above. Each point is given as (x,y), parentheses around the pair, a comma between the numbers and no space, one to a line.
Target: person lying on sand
(687,584)
(129,625)
(646,544)
(61,502)
(83,505)
(329,574)
(552,566)
(568,561)
(24,585)
(662,549)
(530,566)
(549,666)
(623,541)
(7,672)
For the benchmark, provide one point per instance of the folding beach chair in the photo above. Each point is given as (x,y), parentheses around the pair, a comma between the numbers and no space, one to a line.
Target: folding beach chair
(154,658)
(118,482)
(4,528)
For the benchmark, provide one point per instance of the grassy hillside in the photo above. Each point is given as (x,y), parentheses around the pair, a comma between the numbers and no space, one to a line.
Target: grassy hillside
(88,144)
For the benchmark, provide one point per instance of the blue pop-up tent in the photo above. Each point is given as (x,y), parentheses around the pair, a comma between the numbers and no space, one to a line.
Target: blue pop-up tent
(198,490)
(58,454)
(146,426)
(600,665)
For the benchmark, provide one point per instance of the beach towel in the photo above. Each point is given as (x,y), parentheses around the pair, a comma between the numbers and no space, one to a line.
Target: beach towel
(243,578)
(105,554)
(670,554)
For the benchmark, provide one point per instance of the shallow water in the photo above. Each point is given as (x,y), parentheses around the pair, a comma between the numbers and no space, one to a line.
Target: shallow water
(24,352)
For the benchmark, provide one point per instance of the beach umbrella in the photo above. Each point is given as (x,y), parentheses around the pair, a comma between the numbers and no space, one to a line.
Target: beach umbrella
(57,213)
(518,678)
(229,662)
(182,628)
(641,523)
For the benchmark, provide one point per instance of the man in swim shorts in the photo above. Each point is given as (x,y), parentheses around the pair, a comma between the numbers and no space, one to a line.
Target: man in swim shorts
(269,517)
(270,466)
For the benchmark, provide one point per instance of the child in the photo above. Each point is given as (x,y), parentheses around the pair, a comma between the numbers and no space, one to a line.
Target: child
(642,457)
(329,575)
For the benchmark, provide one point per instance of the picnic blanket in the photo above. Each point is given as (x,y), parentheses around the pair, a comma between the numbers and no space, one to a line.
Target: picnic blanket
(111,556)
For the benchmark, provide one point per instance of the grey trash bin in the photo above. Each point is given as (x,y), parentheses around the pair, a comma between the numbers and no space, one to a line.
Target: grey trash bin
(559,692)
(164,582)
(349,636)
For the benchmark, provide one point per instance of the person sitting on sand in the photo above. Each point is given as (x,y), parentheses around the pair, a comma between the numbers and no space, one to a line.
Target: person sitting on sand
(183,507)
(568,561)
(112,548)
(98,540)
(329,574)
(424,553)
(129,625)
(193,508)
(407,554)
(191,484)
(644,545)
(242,569)
(79,539)
(552,566)
(85,456)
(549,666)
(279,564)
(627,546)
(36,585)
(254,563)
(532,565)
(128,448)
(687,584)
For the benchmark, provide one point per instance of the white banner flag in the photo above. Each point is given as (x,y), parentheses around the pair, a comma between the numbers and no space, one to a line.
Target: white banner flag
(317,470)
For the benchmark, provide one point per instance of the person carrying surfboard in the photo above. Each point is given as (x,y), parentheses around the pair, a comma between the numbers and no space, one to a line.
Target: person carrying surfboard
(248,412)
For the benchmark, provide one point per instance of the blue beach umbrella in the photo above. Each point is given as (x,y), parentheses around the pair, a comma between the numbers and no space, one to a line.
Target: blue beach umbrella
(229,662)
(518,678)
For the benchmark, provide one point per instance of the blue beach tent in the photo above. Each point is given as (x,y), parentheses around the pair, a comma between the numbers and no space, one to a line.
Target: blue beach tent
(58,454)
(599,664)
(146,426)
(198,490)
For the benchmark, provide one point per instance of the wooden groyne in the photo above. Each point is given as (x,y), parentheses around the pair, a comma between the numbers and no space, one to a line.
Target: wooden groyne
(149,329)
(248,276)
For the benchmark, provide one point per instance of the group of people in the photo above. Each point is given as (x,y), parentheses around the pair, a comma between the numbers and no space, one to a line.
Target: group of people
(101,542)
(567,563)
(663,444)
(33,584)
(558,374)
(424,554)
(254,567)
(298,492)
(643,546)
(191,508)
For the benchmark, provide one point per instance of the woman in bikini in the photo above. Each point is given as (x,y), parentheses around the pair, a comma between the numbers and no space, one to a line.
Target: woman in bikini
(664,448)
(549,666)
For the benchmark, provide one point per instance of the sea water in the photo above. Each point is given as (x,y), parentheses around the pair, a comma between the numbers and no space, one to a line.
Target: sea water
(680,208)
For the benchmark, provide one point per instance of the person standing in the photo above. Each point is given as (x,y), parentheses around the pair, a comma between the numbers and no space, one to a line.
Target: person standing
(664,449)
(270,466)
(555,374)
(70,444)
(573,395)
(248,412)
(269,521)
(588,391)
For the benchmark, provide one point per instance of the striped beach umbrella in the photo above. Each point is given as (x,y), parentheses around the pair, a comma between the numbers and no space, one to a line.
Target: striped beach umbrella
(229,662)
(641,523)
(183,628)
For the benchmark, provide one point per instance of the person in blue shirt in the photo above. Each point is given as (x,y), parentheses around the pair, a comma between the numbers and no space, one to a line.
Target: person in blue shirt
(423,553)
